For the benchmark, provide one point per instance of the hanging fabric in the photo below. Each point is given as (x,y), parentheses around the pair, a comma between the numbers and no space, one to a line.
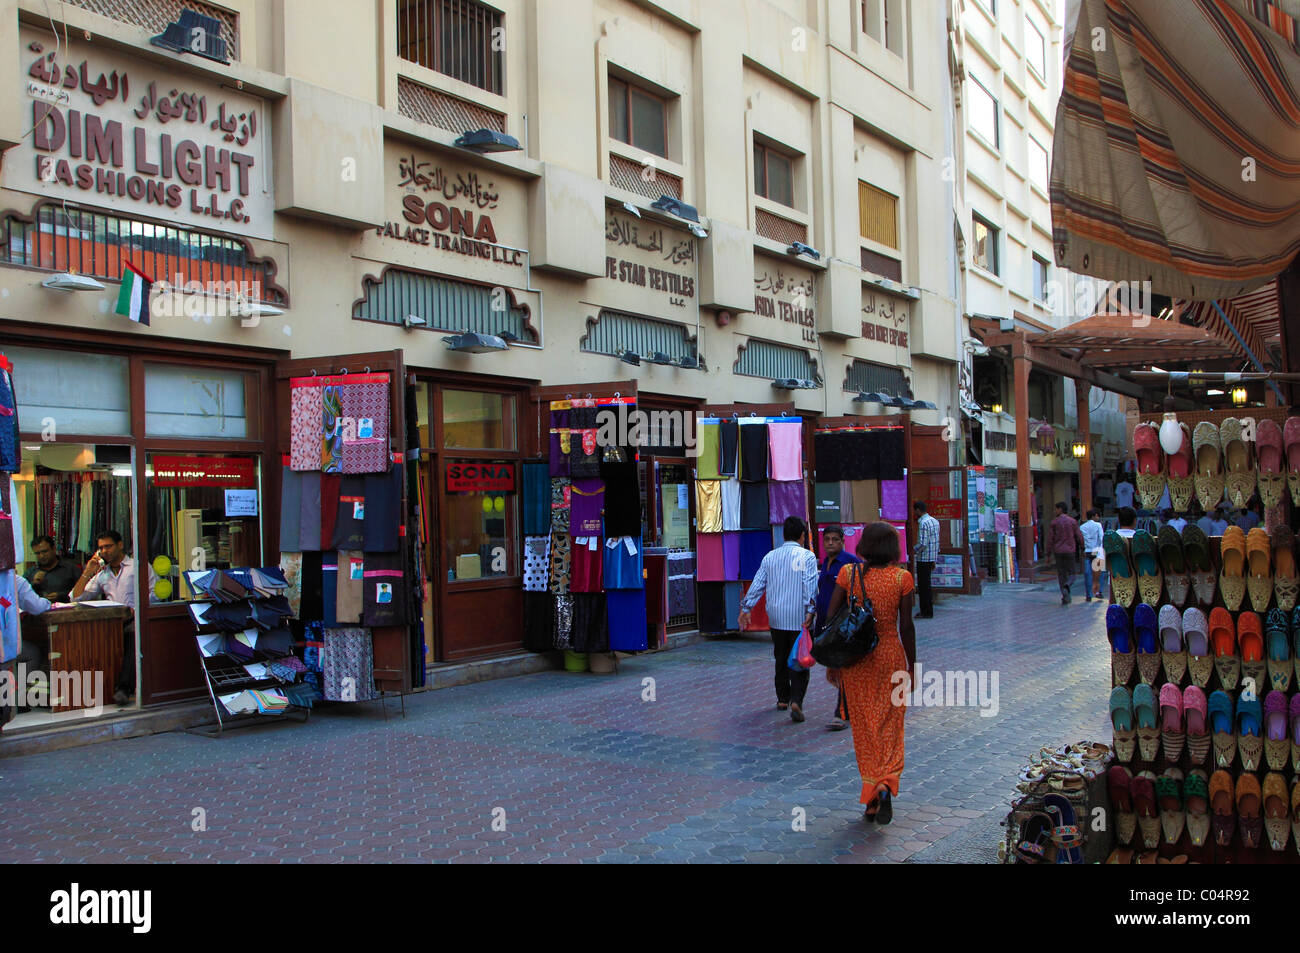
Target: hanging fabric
(587,501)
(753,506)
(381,531)
(349,521)
(306,412)
(309,518)
(590,622)
(536,499)
(587,571)
(708,506)
(709,564)
(387,590)
(622,499)
(348,664)
(623,563)
(537,558)
(753,452)
(730,505)
(349,600)
(539,621)
(290,511)
(363,444)
(728,447)
(706,464)
(786,499)
(626,620)
(785,450)
(731,556)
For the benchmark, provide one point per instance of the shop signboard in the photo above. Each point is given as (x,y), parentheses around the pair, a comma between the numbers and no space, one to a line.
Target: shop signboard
(946,509)
(650,268)
(125,134)
(204,471)
(886,330)
(785,301)
(947,572)
(475,477)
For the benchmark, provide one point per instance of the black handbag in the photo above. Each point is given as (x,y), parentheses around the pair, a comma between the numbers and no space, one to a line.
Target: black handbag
(850,635)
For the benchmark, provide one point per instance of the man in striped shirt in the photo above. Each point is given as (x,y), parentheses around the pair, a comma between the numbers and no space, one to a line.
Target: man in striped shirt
(927,554)
(788,575)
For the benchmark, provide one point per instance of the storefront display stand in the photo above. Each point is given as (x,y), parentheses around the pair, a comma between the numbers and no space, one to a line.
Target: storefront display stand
(243,721)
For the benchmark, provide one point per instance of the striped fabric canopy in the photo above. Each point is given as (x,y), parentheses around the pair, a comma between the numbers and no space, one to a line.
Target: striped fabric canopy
(1177,149)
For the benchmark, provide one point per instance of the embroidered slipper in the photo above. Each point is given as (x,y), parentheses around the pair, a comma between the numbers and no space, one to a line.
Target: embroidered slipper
(1209,468)
(1277,820)
(1169,796)
(1196,550)
(1148,645)
(1224,817)
(1249,822)
(1179,473)
(1277,747)
(1123,580)
(1259,565)
(1144,715)
(1143,791)
(1066,834)
(1172,734)
(1035,845)
(1121,720)
(1286,579)
(1277,639)
(1232,570)
(1225,741)
(1118,779)
(1271,470)
(1224,641)
(1250,734)
(1240,480)
(1173,651)
(1119,632)
(1295,814)
(1150,473)
(1174,564)
(1293,717)
(1196,800)
(1200,656)
(1149,577)
(1250,643)
(1121,855)
(1196,720)
(1291,441)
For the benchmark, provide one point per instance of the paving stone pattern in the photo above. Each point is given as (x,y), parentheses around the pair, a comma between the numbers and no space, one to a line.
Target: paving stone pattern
(583,769)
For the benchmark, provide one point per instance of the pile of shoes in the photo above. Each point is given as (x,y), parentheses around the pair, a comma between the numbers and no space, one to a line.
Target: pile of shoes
(1050,814)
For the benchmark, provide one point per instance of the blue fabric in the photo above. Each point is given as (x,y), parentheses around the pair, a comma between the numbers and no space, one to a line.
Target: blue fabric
(627,620)
(383,513)
(329,587)
(732,594)
(537,499)
(754,545)
(9,460)
(623,570)
(826,576)
(8,617)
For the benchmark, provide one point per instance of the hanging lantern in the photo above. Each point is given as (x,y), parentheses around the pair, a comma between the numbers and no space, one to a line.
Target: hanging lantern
(1079,449)
(997,408)
(1239,396)
(1171,435)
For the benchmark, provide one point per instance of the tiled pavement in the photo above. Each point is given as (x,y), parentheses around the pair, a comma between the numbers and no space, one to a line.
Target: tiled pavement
(581,768)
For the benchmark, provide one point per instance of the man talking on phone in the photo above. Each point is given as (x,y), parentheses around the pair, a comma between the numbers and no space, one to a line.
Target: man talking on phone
(110,574)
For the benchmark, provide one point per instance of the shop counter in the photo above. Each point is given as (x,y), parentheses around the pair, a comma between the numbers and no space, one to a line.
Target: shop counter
(81,639)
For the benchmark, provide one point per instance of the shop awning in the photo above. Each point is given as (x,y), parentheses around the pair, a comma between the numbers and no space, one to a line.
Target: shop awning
(1176,156)
(1112,340)
(1257,316)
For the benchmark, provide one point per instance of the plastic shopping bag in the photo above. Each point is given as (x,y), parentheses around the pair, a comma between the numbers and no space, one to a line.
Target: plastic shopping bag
(801,659)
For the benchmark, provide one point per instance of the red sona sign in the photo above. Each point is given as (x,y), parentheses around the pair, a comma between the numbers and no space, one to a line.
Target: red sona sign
(470,477)
(203,471)
(946,509)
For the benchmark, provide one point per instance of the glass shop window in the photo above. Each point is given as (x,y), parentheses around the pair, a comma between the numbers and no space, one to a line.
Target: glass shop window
(199,402)
(477,420)
(479,523)
(68,392)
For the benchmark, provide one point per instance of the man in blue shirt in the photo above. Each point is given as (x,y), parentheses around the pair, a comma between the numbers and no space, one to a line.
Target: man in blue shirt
(827,572)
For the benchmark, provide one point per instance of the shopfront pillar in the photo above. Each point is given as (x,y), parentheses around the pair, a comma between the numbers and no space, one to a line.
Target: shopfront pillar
(1024,482)
(1081,393)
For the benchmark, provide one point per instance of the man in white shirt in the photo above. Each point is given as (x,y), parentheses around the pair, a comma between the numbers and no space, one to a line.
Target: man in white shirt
(1092,532)
(110,574)
(1177,522)
(1127,522)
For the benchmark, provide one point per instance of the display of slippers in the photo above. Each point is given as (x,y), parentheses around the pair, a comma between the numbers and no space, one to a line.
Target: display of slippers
(1209,465)
(1174,564)
(1224,817)
(1036,845)
(1142,790)
(1179,473)
(1259,568)
(1293,720)
(1200,653)
(1173,651)
(1196,801)
(1286,579)
(1150,472)
(1240,479)
(1225,739)
(1223,641)
(1232,569)
(1145,717)
(1295,813)
(1196,720)
(1250,823)
(1145,629)
(1121,720)
(1066,835)
(1150,578)
(1250,643)
(1122,656)
(1277,642)
(1277,745)
(1172,734)
(1271,471)
(1118,779)
(1169,797)
(1123,580)
(1291,442)
(1250,732)
(1121,855)
(1277,815)
(1196,551)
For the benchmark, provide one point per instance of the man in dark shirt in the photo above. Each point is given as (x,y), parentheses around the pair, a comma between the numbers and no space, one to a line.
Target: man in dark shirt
(828,572)
(1064,542)
(53,576)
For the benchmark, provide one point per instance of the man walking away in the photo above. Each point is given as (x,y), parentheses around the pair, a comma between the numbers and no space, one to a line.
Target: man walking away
(829,570)
(1064,540)
(788,574)
(926,554)
(1092,531)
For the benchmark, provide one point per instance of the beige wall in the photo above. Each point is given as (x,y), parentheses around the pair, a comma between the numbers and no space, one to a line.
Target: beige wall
(800,72)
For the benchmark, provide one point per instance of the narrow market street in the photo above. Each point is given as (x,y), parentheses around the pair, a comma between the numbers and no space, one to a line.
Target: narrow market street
(581,768)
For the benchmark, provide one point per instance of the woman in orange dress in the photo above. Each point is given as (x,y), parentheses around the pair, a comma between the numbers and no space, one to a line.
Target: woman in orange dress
(876,687)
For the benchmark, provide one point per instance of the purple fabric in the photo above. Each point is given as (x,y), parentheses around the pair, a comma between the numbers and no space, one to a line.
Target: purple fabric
(731,556)
(586,501)
(785,499)
(559,459)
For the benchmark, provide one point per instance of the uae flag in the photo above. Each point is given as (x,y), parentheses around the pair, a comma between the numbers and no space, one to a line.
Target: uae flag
(133,299)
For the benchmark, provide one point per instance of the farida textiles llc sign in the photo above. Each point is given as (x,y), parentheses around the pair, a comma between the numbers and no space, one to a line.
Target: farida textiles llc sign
(125,135)
(787,297)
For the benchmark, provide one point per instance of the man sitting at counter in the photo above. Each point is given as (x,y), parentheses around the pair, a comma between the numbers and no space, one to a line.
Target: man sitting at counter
(53,576)
(110,574)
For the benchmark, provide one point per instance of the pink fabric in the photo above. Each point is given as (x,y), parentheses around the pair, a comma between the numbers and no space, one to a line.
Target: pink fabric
(304,424)
(708,558)
(784,450)
(366,400)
